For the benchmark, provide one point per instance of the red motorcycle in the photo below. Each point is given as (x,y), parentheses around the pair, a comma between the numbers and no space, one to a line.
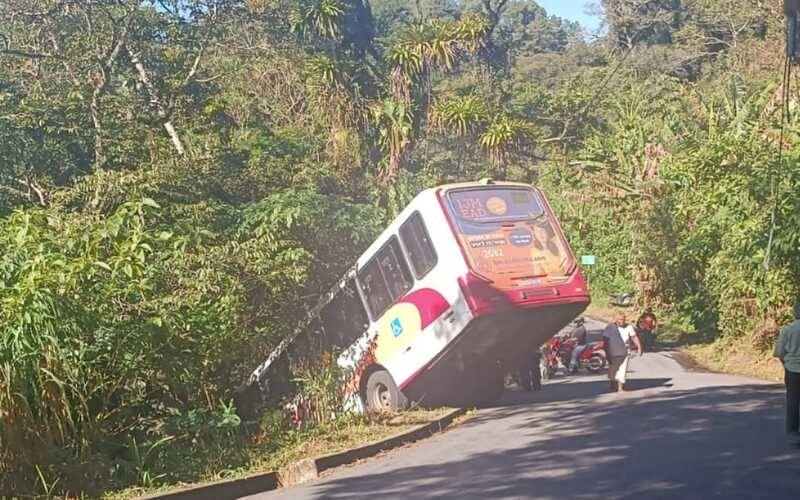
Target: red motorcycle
(550,356)
(593,357)
(559,351)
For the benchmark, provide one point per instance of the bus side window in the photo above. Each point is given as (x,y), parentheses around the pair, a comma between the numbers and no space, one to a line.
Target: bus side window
(375,290)
(385,278)
(395,269)
(344,318)
(418,245)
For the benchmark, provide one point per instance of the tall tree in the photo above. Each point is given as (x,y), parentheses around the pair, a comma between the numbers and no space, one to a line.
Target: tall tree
(642,22)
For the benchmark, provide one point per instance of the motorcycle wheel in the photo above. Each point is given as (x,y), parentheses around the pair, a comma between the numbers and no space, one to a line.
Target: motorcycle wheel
(596,363)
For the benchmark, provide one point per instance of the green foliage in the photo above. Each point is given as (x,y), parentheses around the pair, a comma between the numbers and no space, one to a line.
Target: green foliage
(178,184)
(503,134)
(678,206)
(108,326)
(319,391)
(115,326)
(323,17)
(459,114)
(723,199)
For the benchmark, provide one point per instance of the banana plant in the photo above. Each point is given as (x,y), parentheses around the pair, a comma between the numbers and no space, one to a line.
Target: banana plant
(433,46)
(502,136)
(394,122)
(321,17)
(461,115)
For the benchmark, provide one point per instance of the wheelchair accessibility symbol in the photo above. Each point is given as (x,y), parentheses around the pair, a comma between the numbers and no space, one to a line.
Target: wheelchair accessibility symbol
(397,327)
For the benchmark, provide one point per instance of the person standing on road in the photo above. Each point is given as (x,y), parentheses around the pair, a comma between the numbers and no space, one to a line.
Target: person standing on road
(617,336)
(787,349)
(579,334)
(646,326)
(530,376)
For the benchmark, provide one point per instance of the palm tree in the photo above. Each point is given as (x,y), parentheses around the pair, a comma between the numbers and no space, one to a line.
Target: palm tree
(424,48)
(503,136)
(461,115)
(322,17)
(395,125)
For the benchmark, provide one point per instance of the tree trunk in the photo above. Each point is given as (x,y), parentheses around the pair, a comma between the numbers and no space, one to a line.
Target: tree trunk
(173,135)
(33,192)
(100,85)
(158,103)
(493,12)
(94,108)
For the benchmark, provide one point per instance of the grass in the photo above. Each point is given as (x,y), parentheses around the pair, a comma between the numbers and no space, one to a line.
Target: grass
(725,356)
(600,311)
(265,454)
(347,433)
(708,349)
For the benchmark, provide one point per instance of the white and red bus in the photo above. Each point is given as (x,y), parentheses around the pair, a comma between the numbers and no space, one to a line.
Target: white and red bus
(464,285)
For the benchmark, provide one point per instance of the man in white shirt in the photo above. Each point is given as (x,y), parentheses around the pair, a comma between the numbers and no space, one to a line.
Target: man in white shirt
(617,335)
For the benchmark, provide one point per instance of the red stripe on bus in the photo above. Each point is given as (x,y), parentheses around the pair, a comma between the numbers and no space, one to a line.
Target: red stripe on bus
(429,303)
(410,379)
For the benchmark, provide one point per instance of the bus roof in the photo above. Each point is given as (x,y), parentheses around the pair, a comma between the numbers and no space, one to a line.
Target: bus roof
(456,185)
(420,200)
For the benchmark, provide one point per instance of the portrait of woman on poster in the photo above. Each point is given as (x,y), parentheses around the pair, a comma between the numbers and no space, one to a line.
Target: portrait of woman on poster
(548,252)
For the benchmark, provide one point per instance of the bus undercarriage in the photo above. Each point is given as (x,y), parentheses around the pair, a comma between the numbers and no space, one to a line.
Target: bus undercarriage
(472,369)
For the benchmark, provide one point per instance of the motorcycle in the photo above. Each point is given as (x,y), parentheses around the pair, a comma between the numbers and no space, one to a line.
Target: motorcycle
(624,299)
(551,356)
(559,352)
(592,358)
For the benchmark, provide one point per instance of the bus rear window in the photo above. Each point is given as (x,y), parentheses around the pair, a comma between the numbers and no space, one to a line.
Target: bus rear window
(494,204)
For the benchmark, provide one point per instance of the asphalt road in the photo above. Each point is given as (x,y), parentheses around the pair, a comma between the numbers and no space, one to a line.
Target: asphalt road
(676,434)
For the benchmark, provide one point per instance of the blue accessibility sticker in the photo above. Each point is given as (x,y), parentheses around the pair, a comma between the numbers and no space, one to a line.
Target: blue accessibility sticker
(397,327)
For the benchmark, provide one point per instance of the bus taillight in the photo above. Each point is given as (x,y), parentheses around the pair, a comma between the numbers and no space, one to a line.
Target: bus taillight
(481,296)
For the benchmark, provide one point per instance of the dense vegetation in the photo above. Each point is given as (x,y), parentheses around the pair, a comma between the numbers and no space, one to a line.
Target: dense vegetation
(180,178)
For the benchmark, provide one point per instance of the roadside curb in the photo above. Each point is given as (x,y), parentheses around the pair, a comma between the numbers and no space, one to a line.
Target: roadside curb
(230,488)
(307,469)
(424,431)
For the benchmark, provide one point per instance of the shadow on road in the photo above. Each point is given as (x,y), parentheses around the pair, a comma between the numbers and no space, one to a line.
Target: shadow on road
(568,390)
(729,440)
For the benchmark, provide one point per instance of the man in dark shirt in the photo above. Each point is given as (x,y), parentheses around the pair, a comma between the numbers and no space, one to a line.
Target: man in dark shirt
(646,326)
(579,334)
(787,349)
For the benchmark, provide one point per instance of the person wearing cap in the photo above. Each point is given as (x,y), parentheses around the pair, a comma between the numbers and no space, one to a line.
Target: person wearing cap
(787,349)
(579,334)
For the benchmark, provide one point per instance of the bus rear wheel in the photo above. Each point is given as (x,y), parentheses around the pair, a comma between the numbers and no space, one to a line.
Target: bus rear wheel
(382,394)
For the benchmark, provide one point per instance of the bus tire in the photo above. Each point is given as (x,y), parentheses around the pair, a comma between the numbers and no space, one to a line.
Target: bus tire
(381,394)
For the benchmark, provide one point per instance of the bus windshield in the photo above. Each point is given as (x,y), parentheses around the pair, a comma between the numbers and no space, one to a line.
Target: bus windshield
(494,205)
(508,237)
